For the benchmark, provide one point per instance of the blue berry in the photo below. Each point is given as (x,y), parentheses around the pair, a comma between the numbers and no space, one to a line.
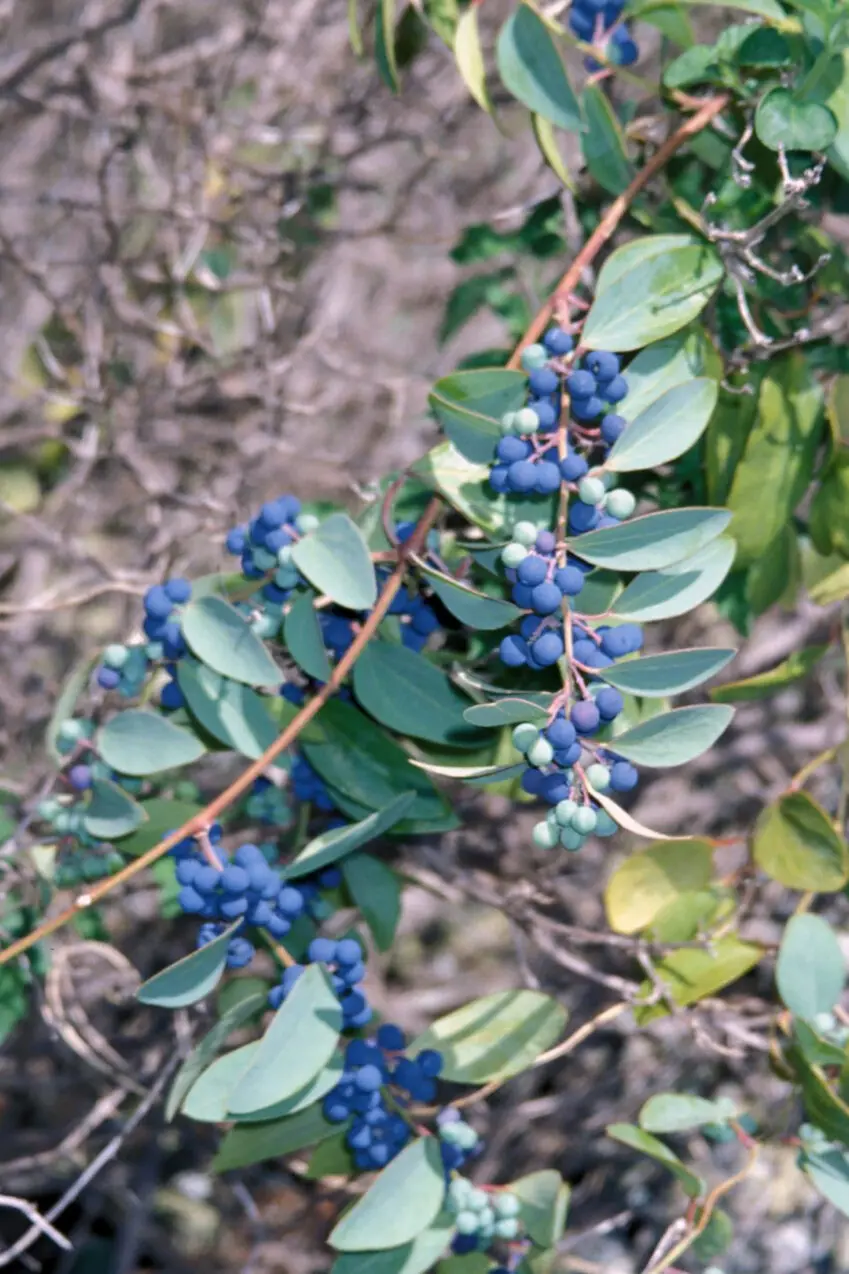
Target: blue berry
(498,479)
(561,733)
(348,951)
(569,580)
(532,781)
(557,341)
(532,570)
(391,1037)
(612,427)
(542,381)
(236,541)
(157,603)
(178,590)
(585,716)
(581,385)
(603,365)
(546,598)
(108,678)
(430,1062)
(521,476)
(581,24)
(573,467)
(546,413)
(582,517)
(368,1078)
(615,390)
(548,648)
(609,703)
(322,951)
(513,651)
(511,449)
(623,777)
(586,409)
(546,542)
(547,477)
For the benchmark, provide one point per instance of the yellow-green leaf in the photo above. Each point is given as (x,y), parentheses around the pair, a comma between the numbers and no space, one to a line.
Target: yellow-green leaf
(691,974)
(796,844)
(646,882)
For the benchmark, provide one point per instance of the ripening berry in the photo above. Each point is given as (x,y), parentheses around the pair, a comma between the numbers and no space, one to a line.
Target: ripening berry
(546,542)
(623,777)
(584,820)
(544,836)
(571,839)
(540,753)
(620,503)
(513,554)
(524,735)
(534,356)
(612,427)
(546,413)
(525,422)
(604,825)
(525,533)
(599,777)
(573,467)
(591,490)
(507,422)
(564,812)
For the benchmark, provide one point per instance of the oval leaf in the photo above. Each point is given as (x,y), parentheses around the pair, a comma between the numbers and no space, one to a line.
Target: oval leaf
(656,676)
(140,743)
(506,712)
(494,1037)
(409,1258)
(666,429)
(209,1098)
(603,143)
(678,1112)
(404,1199)
(674,738)
(111,813)
(664,364)
(679,588)
(469,405)
(530,68)
(796,844)
(638,1139)
(651,542)
(191,978)
(311,1015)
(221,637)
(810,972)
(253,1143)
(332,845)
(302,635)
(647,882)
(691,974)
(473,609)
(206,1049)
(231,712)
(783,120)
(469,57)
(405,692)
(336,560)
(376,890)
(544,1199)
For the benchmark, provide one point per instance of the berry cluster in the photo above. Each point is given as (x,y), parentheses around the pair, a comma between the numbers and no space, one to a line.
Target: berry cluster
(266,803)
(264,545)
(482,1215)
(344,960)
(459,1139)
(378,1082)
(597,22)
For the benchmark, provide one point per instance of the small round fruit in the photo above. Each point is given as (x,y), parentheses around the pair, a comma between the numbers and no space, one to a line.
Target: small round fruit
(513,554)
(524,736)
(545,836)
(599,777)
(525,533)
(620,503)
(591,490)
(565,811)
(584,820)
(534,356)
(540,753)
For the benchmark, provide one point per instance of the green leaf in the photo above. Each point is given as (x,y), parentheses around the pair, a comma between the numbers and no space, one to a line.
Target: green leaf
(715,1237)
(14,999)
(661,366)
(727,434)
(828,1171)
(140,743)
(603,143)
(111,813)
(469,57)
(653,541)
(334,844)
(792,669)
(208,1100)
(415,1257)
(645,883)
(384,45)
(834,588)
(302,635)
(405,692)
(778,457)
(231,712)
(656,676)
(796,844)
(692,974)
(311,1015)
(493,1037)
(697,65)
(190,979)
(679,1112)
(207,1048)
(783,120)
(769,9)
(469,404)
(466,487)
(775,575)
(600,588)
(810,972)
(531,69)
(162,816)
(358,759)
(376,891)
(403,1200)
(546,140)
(332,1157)
(475,610)
(648,289)
(822,1104)
(676,737)
(506,712)
(336,560)
(221,637)
(838,104)
(544,1200)
(637,1139)
(254,1143)
(666,428)
(679,588)
(65,704)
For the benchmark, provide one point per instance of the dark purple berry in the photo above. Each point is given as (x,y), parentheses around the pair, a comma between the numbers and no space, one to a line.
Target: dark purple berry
(585,716)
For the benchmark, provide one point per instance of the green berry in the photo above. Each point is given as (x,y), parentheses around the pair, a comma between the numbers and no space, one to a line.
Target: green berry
(545,836)
(599,777)
(534,356)
(450,1133)
(505,1205)
(591,490)
(526,422)
(540,753)
(466,1137)
(486,1218)
(524,736)
(507,423)
(92,867)
(513,554)
(115,656)
(620,503)
(507,1229)
(525,533)
(571,839)
(460,1187)
(477,1200)
(466,1223)
(609,479)
(263,559)
(154,650)
(564,812)
(306,522)
(584,820)
(284,555)
(605,825)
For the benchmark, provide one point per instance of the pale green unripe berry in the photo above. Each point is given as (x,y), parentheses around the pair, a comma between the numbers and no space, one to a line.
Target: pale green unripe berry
(115,656)
(466,1137)
(525,533)
(507,423)
(466,1223)
(524,736)
(570,839)
(477,1200)
(526,422)
(154,650)
(565,811)
(460,1187)
(604,824)
(48,809)
(513,554)
(507,1229)
(534,356)
(584,820)
(71,731)
(284,555)
(263,559)
(599,777)
(486,1218)
(505,1205)
(591,490)
(450,1134)
(306,522)
(545,836)
(540,753)
(609,479)
(620,503)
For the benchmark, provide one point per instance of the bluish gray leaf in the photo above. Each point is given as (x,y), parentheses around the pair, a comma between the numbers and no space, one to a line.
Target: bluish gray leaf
(111,812)
(190,979)
(222,638)
(810,971)
(404,1200)
(678,588)
(139,743)
(666,428)
(332,845)
(651,542)
(674,738)
(531,69)
(656,676)
(302,635)
(229,710)
(336,560)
